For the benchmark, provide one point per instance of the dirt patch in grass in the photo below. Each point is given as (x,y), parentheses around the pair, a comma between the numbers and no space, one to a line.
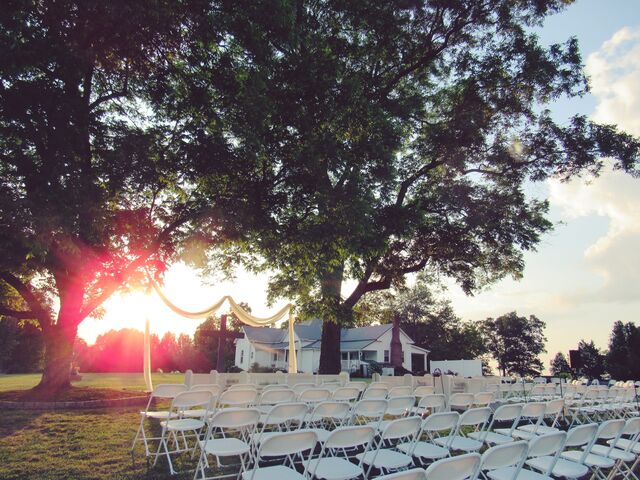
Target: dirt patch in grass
(73,394)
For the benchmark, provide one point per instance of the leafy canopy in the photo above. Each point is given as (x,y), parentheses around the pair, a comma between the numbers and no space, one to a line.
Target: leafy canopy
(515,342)
(392,136)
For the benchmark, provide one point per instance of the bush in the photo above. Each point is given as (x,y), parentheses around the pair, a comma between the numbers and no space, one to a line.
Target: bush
(375,367)
(257,368)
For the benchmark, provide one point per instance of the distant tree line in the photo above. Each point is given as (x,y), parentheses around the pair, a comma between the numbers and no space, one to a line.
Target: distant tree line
(515,342)
(22,349)
(621,361)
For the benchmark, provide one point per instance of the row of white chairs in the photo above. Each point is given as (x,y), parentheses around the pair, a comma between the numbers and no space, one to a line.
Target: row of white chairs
(475,419)
(399,446)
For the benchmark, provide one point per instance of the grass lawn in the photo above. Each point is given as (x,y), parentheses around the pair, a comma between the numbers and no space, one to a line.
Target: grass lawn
(80,444)
(122,381)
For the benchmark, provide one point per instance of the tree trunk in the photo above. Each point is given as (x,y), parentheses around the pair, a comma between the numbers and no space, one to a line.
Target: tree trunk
(330,348)
(332,325)
(58,342)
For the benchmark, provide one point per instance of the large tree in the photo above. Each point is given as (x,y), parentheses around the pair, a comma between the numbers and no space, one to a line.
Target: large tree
(591,360)
(622,360)
(98,154)
(398,135)
(516,342)
(559,365)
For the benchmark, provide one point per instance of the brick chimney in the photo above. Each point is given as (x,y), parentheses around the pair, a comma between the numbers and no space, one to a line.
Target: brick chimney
(397,356)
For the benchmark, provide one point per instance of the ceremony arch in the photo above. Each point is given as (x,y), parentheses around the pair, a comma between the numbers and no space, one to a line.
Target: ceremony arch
(236,309)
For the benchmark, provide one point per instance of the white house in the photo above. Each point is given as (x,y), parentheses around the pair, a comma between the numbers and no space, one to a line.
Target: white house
(269,347)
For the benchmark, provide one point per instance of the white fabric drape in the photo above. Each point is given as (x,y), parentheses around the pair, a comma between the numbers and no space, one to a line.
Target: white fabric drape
(147,357)
(242,315)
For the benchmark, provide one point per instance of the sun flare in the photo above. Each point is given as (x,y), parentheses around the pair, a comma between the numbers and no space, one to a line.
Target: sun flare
(184,287)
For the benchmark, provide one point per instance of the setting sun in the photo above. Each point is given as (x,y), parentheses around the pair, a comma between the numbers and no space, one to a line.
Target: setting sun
(187,290)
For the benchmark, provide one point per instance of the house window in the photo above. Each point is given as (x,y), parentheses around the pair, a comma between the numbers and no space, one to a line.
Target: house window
(386,356)
(251,354)
(275,357)
(286,356)
(241,357)
(345,356)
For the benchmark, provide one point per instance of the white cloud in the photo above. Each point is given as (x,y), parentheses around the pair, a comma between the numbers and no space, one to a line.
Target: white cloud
(614,71)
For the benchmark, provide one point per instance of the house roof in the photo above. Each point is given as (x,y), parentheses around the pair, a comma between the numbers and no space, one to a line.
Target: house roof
(310,334)
(265,335)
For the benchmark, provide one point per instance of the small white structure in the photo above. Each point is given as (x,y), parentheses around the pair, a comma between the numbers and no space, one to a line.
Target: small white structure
(464,368)
(269,347)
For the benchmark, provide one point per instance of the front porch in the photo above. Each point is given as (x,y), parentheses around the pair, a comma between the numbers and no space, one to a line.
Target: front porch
(351,360)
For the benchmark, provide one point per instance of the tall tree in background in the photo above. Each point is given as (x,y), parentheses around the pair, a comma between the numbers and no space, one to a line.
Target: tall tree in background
(516,342)
(591,359)
(617,357)
(559,364)
(622,360)
(394,136)
(98,155)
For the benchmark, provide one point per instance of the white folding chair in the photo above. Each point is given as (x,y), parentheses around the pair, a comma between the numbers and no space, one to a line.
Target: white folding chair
(275,386)
(533,413)
(301,387)
(598,463)
(548,446)
(386,460)
(433,426)
(375,393)
(483,399)
(165,391)
(400,392)
(559,466)
(504,413)
(457,468)
(431,403)
(423,390)
(325,417)
(177,427)
(240,398)
(273,397)
(362,386)
(461,401)
(243,386)
(228,435)
(290,445)
(397,407)
(552,410)
(413,474)
(628,445)
(215,392)
(282,417)
(330,464)
(312,396)
(475,419)
(503,461)
(368,411)
(346,394)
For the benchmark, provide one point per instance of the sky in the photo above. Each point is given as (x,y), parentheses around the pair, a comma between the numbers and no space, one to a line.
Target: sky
(585,274)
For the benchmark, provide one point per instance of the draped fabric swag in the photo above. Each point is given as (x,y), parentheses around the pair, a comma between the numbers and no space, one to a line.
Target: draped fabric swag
(239,312)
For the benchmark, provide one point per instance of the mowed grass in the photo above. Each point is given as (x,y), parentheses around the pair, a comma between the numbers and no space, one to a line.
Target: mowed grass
(122,381)
(80,444)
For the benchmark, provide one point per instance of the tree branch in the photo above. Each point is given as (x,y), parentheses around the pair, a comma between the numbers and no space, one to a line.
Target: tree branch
(19,314)
(116,280)
(404,186)
(39,313)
